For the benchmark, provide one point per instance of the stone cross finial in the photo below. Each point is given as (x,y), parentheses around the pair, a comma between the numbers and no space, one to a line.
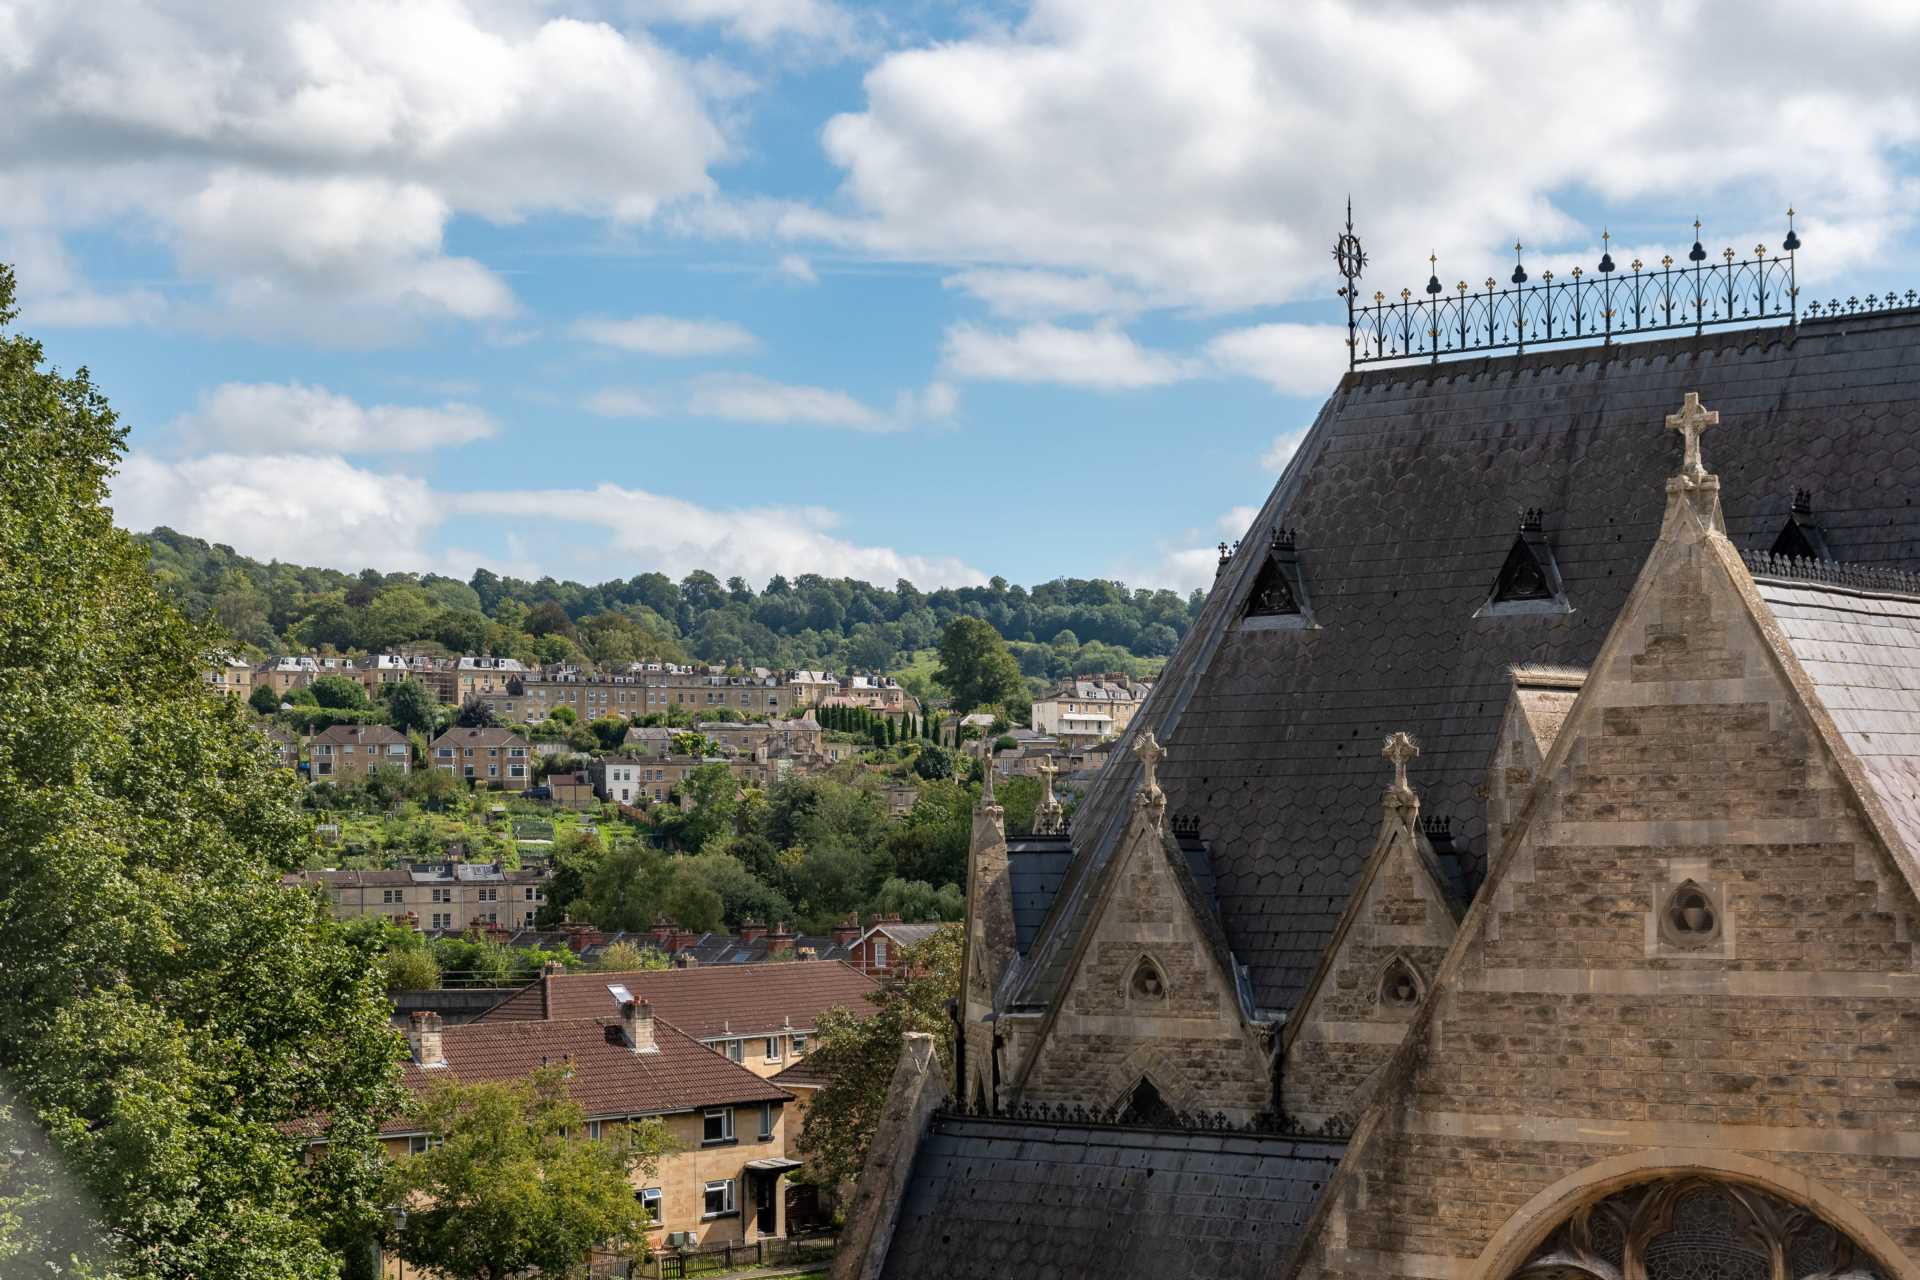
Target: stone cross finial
(1150,752)
(1692,419)
(1046,769)
(1401,749)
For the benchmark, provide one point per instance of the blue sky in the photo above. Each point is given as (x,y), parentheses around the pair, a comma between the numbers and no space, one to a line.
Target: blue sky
(934,291)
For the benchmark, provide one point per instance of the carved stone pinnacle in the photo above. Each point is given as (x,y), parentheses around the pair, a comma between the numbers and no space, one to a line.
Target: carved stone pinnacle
(1692,419)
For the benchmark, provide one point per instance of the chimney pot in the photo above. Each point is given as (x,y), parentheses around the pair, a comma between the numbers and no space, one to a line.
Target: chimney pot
(424,1040)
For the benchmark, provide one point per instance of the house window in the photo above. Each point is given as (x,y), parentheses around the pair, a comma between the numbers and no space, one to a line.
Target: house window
(443,895)
(443,919)
(879,953)
(516,771)
(650,1203)
(489,895)
(517,753)
(718,1125)
(444,753)
(719,1202)
(529,893)
(766,1121)
(773,1049)
(420,1143)
(493,771)
(799,1044)
(469,771)
(392,895)
(733,1049)
(593,1130)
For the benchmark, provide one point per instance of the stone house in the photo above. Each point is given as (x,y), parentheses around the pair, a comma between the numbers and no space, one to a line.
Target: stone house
(436,896)
(726,1180)
(1606,971)
(495,757)
(1089,709)
(345,753)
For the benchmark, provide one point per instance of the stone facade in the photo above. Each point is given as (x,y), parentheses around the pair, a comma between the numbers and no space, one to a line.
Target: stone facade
(1384,956)
(1152,997)
(1694,955)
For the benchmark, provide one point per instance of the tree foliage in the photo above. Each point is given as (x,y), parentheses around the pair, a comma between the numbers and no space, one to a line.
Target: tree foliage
(171,1007)
(976,666)
(857,1056)
(513,1185)
(411,708)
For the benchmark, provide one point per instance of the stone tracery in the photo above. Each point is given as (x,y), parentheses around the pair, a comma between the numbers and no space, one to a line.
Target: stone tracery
(1694,1228)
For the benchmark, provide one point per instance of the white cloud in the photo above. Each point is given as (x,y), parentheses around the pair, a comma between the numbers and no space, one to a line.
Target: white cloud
(1103,359)
(798,269)
(1028,295)
(303,507)
(1236,520)
(936,402)
(1294,359)
(758,21)
(669,336)
(1200,152)
(621,402)
(54,295)
(314,508)
(649,531)
(272,417)
(746,398)
(1284,446)
(303,158)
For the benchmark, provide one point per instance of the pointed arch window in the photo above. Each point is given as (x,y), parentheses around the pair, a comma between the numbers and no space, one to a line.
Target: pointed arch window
(1143,1105)
(1400,987)
(1148,984)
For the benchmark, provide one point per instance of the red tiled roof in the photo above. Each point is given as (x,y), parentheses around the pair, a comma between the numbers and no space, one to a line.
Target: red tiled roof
(609,1079)
(708,1001)
(378,734)
(493,736)
(803,1074)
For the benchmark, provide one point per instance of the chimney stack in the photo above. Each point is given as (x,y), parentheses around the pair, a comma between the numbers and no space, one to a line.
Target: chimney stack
(552,969)
(423,1039)
(847,932)
(662,931)
(780,941)
(752,930)
(636,1017)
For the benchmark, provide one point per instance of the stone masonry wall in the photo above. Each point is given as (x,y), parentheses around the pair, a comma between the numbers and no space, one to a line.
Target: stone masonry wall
(1574,1031)
(1106,1035)
(1348,1031)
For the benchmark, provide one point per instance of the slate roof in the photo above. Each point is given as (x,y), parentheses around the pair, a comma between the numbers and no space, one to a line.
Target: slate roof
(706,1002)
(1861,649)
(990,1198)
(609,1079)
(1035,867)
(1405,495)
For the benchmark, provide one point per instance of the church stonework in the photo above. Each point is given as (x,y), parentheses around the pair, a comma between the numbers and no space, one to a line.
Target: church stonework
(1383,957)
(1694,956)
(1151,997)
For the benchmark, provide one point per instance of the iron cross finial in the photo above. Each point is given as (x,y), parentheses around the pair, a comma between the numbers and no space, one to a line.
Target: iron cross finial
(1151,753)
(1401,749)
(1692,419)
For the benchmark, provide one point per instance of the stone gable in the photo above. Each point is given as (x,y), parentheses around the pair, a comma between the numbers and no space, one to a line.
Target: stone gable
(1694,955)
(1149,998)
(1385,954)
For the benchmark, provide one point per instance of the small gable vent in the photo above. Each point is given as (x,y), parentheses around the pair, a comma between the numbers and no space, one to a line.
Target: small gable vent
(1278,600)
(1801,537)
(1529,579)
(1399,986)
(1144,1106)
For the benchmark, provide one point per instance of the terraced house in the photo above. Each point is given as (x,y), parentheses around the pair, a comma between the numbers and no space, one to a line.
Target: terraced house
(346,753)
(492,757)
(436,896)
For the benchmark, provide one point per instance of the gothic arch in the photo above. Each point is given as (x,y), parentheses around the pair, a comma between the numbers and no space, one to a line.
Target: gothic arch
(1148,1062)
(1398,985)
(1507,1255)
(1147,985)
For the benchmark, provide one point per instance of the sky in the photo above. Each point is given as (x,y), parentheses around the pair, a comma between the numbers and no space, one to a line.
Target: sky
(940,291)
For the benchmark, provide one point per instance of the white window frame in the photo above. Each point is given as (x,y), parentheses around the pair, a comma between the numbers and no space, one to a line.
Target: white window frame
(650,1204)
(725,1116)
(593,1130)
(724,1186)
(766,1122)
(799,1044)
(773,1049)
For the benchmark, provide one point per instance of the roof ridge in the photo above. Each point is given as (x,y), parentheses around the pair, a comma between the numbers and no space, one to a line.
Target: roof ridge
(1837,575)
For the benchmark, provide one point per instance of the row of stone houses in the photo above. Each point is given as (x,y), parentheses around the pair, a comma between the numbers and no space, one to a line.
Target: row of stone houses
(448,897)
(715,1055)
(344,753)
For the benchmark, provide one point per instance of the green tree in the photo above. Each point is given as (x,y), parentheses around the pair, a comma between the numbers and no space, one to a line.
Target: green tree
(172,1008)
(856,1055)
(475,713)
(609,731)
(411,708)
(339,692)
(512,1186)
(263,699)
(629,957)
(977,667)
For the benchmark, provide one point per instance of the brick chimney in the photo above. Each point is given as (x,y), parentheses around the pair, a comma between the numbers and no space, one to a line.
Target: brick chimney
(552,969)
(780,941)
(662,931)
(752,930)
(636,1019)
(681,940)
(847,932)
(423,1039)
(892,917)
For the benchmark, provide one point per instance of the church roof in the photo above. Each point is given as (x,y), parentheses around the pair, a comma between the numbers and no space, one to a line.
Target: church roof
(1405,495)
(1861,649)
(999,1197)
